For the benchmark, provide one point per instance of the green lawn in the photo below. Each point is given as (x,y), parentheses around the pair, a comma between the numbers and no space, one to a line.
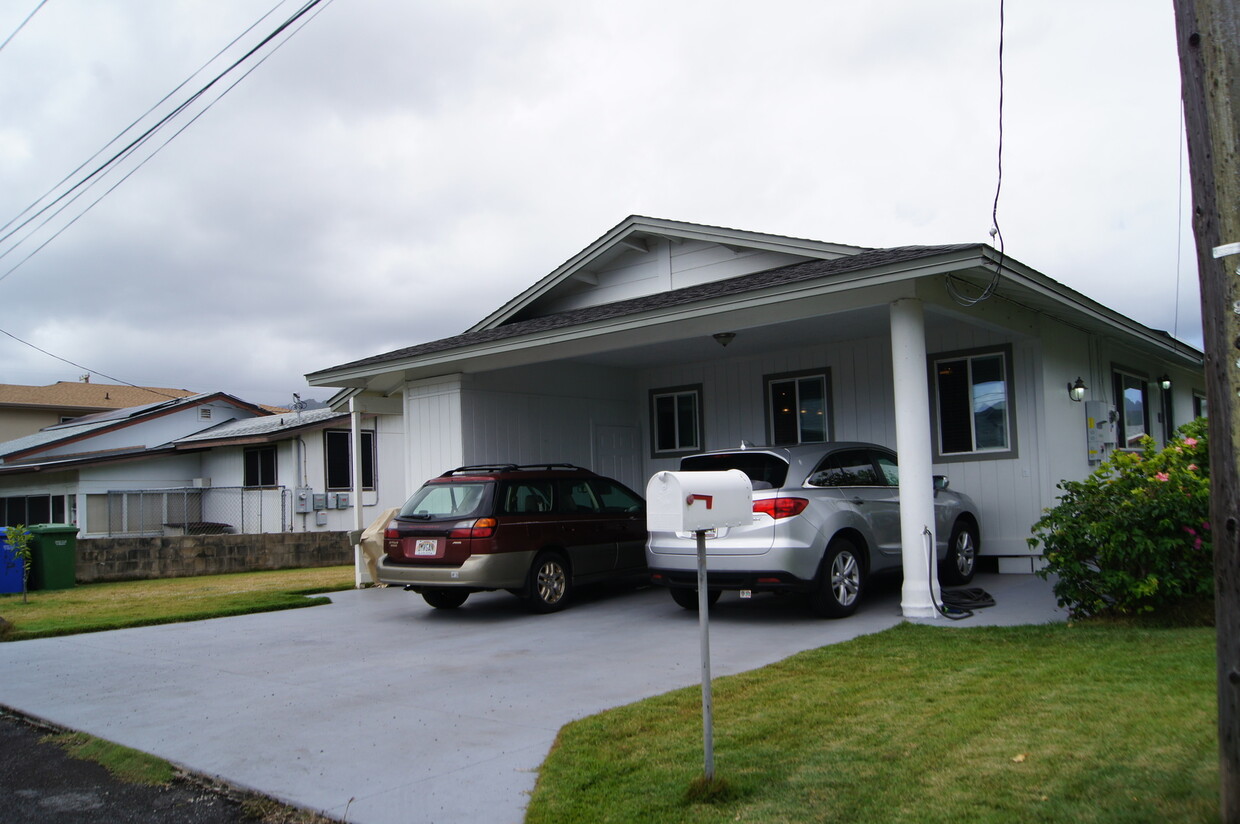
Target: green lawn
(95,607)
(1057,723)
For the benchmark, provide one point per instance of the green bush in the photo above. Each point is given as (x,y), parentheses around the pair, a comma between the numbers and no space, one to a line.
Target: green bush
(1134,537)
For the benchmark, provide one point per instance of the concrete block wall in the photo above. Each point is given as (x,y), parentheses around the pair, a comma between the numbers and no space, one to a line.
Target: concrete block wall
(122,559)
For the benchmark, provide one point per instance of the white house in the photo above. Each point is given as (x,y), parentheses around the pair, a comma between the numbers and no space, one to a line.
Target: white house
(663,338)
(199,464)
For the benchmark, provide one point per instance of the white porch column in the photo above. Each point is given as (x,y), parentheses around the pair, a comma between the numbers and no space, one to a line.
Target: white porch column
(912,397)
(355,451)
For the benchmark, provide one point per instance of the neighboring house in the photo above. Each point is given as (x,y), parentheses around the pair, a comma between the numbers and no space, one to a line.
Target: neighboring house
(25,410)
(204,463)
(664,338)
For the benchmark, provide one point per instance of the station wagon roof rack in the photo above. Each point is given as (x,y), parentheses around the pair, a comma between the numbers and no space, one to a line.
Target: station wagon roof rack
(480,468)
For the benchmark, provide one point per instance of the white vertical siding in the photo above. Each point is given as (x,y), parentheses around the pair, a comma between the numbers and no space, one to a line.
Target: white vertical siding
(433,420)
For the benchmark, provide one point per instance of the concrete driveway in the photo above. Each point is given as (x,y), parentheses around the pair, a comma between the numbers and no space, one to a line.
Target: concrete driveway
(379,709)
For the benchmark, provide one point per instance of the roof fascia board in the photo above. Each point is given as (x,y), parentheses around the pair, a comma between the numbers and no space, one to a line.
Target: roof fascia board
(675,231)
(80,462)
(1047,287)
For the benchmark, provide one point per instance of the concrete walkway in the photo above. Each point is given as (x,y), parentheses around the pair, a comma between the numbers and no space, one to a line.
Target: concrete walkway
(378,709)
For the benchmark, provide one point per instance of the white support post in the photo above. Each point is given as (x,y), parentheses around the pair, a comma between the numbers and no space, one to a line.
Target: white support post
(355,452)
(912,401)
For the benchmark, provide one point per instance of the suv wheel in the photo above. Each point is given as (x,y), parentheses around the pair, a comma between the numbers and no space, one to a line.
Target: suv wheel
(840,581)
(961,561)
(688,598)
(550,583)
(444,598)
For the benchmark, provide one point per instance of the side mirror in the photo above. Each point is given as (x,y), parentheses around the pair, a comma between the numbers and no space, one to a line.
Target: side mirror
(940,482)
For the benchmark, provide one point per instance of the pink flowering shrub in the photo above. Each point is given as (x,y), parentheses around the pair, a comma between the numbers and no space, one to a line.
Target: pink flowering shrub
(1134,536)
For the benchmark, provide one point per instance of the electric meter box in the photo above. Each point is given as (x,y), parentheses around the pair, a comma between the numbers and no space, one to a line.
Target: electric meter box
(693,501)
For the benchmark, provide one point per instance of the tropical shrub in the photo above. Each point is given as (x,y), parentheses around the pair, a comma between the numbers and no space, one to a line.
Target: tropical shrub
(1133,537)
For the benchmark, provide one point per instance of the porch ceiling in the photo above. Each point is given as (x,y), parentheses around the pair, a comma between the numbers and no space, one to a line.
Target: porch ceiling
(752,340)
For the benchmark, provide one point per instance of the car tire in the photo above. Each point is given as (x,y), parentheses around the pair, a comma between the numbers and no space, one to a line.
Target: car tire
(688,598)
(961,561)
(841,581)
(444,598)
(550,583)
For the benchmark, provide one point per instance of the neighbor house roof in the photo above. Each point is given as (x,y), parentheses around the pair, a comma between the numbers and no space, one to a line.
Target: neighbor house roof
(78,395)
(31,449)
(262,430)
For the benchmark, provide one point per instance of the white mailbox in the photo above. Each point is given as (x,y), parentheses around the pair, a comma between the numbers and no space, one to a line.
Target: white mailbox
(692,501)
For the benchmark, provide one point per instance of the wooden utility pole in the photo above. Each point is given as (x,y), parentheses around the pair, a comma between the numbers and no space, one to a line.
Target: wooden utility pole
(1208,34)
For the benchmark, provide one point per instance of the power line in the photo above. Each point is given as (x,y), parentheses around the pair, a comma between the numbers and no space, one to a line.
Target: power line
(146,135)
(80,366)
(996,233)
(22,24)
(142,163)
(301,15)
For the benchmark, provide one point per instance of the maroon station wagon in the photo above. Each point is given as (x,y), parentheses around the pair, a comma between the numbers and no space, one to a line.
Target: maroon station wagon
(534,530)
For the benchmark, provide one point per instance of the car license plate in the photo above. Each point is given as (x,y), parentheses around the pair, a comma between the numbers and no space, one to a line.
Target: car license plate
(426,546)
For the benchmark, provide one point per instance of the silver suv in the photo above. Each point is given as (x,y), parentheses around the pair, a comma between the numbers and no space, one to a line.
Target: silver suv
(826,517)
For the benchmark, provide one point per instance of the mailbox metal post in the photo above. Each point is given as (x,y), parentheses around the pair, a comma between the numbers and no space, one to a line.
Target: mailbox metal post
(708,736)
(699,502)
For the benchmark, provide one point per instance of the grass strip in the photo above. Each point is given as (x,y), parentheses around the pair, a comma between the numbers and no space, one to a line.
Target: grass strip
(1056,723)
(117,605)
(128,765)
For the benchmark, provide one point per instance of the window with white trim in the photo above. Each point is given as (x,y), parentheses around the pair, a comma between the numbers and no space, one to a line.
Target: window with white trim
(676,420)
(973,404)
(798,408)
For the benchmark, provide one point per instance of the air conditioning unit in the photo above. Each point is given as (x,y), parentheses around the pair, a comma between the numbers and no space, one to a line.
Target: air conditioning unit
(202,483)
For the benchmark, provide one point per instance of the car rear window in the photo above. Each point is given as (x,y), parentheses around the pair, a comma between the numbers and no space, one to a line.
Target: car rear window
(761,467)
(450,500)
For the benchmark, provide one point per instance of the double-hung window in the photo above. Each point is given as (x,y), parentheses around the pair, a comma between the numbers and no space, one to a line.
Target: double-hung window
(260,466)
(338,444)
(974,413)
(1132,405)
(798,408)
(676,420)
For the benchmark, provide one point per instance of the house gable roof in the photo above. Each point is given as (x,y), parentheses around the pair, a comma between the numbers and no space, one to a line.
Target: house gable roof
(634,235)
(830,269)
(809,270)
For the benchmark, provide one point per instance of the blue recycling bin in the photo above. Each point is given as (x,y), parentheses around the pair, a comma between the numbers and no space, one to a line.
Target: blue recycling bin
(10,569)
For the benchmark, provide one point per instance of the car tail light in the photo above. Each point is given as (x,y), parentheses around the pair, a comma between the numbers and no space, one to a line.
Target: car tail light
(481,528)
(780,507)
(391,533)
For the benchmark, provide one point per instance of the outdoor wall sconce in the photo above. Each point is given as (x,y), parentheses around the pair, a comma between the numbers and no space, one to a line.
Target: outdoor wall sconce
(1076,391)
(724,338)
(1165,382)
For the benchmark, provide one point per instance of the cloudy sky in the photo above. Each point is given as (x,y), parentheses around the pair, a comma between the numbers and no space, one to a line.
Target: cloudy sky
(395,171)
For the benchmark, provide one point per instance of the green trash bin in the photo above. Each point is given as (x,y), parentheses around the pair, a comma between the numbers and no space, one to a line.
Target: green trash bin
(53,556)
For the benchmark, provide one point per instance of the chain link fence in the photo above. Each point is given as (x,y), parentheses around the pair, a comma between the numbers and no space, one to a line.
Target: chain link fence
(192,511)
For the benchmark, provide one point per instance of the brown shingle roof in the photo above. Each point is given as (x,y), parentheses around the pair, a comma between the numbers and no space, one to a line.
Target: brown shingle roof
(77,395)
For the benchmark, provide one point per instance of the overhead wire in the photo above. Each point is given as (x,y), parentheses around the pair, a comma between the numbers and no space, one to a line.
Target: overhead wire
(149,157)
(996,234)
(302,14)
(146,135)
(141,117)
(22,24)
